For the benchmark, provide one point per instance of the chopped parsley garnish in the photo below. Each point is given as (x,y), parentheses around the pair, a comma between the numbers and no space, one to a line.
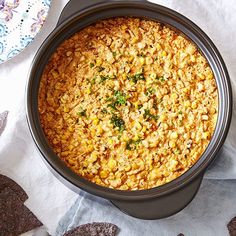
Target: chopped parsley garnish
(150,91)
(132,144)
(100,68)
(180,112)
(118,122)
(118,99)
(82,113)
(162,79)
(136,77)
(140,106)
(104,111)
(114,54)
(104,78)
(93,81)
(91,65)
(147,115)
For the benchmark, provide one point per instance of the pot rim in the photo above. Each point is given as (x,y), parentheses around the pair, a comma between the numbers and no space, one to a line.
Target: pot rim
(210,52)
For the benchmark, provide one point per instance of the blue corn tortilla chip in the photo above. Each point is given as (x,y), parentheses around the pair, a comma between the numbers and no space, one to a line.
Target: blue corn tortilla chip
(7,182)
(232,227)
(15,217)
(94,229)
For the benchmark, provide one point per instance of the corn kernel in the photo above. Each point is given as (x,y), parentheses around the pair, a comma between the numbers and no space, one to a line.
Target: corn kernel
(165,126)
(136,137)
(72,161)
(187,104)
(144,129)
(135,166)
(98,61)
(194,105)
(70,128)
(85,163)
(63,154)
(138,126)
(192,58)
(87,91)
(90,148)
(103,174)
(153,75)
(142,60)
(95,121)
(66,109)
(99,129)
(212,110)
(124,76)
(55,74)
(209,76)
(69,53)
(164,53)
(131,58)
(172,144)
(174,135)
(206,135)
(134,39)
(123,27)
(93,157)
(110,141)
(111,164)
(174,96)
(128,168)
(185,90)
(163,117)
(70,147)
(125,138)
(158,46)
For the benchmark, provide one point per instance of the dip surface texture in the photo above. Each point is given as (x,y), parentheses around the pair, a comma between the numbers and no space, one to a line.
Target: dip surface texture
(128,103)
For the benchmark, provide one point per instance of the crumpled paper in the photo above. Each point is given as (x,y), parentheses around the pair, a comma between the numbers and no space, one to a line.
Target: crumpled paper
(214,205)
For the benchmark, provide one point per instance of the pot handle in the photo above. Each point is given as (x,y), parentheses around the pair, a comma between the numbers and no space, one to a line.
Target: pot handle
(74,6)
(161,207)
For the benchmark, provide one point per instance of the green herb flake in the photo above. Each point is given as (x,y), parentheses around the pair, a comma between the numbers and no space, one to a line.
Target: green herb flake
(119,98)
(93,81)
(132,144)
(114,54)
(136,77)
(104,78)
(104,111)
(91,65)
(140,106)
(118,122)
(150,91)
(147,115)
(100,68)
(162,79)
(82,113)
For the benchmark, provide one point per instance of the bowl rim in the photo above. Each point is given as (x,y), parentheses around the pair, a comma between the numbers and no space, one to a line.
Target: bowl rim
(178,22)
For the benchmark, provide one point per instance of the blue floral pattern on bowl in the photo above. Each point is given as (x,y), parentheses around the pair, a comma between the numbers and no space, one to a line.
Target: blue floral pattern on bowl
(20,21)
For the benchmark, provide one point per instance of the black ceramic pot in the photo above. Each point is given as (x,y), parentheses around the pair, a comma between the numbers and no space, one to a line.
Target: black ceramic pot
(157,202)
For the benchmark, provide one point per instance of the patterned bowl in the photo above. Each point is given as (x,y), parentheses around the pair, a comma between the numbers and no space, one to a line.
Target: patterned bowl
(20,21)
